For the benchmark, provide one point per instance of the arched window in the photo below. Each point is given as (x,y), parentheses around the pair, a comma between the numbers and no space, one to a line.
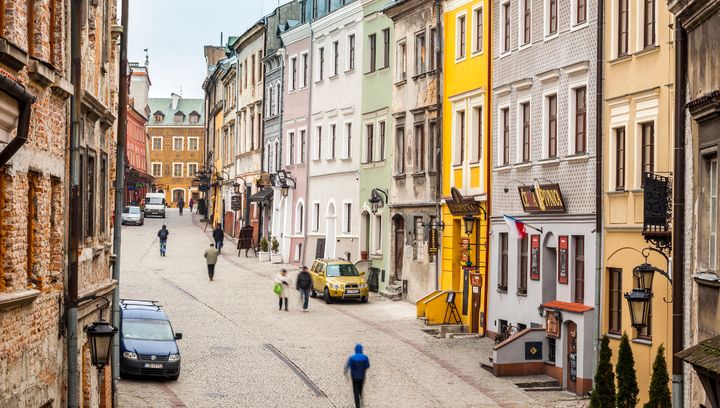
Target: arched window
(276,157)
(299,217)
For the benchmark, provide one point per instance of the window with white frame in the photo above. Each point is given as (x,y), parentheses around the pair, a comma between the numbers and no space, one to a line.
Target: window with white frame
(459,137)
(192,169)
(477,29)
(578,120)
(299,217)
(504,140)
(579,11)
(649,16)
(402,61)
(710,184)
(291,148)
(386,48)
(303,141)
(505,26)
(419,147)
(433,144)
(433,56)
(399,150)
(304,70)
(348,141)
(321,64)
(369,142)
(381,141)
(293,74)
(523,139)
(476,141)
(316,217)
(621,27)
(193,142)
(550,124)
(372,52)
(178,142)
(317,154)
(157,169)
(524,22)
(551,17)
(332,141)
(378,234)
(336,58)
(351,52)
(460,36)
(157,143)
(177,169)
(347,218)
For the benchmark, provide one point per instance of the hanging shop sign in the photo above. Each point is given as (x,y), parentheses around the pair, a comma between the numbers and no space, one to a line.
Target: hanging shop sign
(464,250)
(542,198)
(460,206)
(236,202)
(433,241)
(475,279)
(563,259)
(535,257)
(552,324)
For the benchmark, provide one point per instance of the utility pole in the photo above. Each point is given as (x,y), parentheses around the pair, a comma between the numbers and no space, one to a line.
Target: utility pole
(119,194)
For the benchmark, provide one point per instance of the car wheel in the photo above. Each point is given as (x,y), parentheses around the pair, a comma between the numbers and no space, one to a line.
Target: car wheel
(174,377)
(364,299)
(313,294)
(326,296)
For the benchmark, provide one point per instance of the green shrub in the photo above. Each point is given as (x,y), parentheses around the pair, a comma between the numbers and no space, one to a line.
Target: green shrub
(275,245)
(603,393)
(659,390)
(263,244)
(627,386)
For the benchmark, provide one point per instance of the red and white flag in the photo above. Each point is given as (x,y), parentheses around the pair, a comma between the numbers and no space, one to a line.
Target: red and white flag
(516,226)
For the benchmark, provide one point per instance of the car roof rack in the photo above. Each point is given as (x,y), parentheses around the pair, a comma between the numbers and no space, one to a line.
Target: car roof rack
(140,302)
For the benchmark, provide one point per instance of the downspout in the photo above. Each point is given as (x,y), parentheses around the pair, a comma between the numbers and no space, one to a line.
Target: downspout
(119,194)
(25,100)
(488,171)
(598,181)
(438,129)
(280,140)
(261,131)
(73,218)
(678,280)
(307,164)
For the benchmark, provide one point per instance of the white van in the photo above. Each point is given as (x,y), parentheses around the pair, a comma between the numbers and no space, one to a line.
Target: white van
(155,204)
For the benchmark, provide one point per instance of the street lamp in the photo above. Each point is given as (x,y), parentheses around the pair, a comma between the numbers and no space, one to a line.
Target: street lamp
(100,335)
(541,310)
(285,187)
(469,221)
(376,199)
(639,304)
(643,275)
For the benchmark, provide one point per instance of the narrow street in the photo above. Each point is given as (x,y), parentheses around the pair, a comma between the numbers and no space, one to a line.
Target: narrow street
(239,350)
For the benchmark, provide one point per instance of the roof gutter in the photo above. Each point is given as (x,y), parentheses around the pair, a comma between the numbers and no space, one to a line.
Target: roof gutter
(25,100)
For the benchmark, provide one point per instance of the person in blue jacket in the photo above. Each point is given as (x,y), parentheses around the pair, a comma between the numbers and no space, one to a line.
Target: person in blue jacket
(358,363)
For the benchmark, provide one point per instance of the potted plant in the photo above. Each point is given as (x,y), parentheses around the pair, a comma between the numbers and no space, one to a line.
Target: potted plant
(275,256)
(264,254)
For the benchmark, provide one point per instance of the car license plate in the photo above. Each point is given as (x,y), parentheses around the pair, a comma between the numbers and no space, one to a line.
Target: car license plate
(352,291)
(153,365)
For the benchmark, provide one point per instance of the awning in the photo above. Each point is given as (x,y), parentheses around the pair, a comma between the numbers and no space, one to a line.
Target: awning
(262,195)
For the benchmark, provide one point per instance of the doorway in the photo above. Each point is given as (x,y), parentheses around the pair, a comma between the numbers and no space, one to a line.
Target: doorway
(177,194)
(399,248)
(572,351)
(548,260)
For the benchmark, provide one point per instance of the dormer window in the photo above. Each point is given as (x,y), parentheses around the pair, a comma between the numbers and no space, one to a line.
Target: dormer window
(194,118)
(179,117)
(158,116)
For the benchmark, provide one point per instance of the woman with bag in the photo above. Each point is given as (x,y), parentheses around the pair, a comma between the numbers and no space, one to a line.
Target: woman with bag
(281,285)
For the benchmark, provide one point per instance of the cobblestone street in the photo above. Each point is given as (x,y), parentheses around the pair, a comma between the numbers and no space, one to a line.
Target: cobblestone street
(238,350)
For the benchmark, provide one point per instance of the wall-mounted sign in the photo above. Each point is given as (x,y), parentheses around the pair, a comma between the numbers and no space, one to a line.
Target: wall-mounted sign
(236,202)
(433,241)
(533,350)
(535,257)
(464,250)
(542,198)
(552,325)
(475,279)
(563,259)
(460,206)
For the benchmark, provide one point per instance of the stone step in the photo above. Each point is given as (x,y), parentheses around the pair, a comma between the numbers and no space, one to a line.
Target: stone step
(487,367)
(536,389)
(538,383)
(463,336)
(433,331)
(391,295)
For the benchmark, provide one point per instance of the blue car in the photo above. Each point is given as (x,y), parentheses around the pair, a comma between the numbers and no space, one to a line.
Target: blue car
(148,344)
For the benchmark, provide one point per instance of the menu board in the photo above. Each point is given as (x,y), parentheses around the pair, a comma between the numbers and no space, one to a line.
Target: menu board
(563,259)
(535,257)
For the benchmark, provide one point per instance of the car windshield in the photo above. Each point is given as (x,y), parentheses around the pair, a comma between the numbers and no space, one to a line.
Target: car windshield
(147,329)
(131,210)
(155,200)
(342,270)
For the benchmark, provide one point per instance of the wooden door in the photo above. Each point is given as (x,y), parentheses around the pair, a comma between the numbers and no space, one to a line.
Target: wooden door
(476,300)
(572,352)
(398,251)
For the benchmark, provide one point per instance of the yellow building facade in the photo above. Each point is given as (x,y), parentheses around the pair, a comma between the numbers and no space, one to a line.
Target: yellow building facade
(638,137)
(466,142)
(216,188)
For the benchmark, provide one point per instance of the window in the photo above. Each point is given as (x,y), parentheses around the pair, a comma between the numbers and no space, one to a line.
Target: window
(620,159)
(316,217)
(157,143)
(525,109)
(303,11)
(302,146)
(579,246)
(478,30)
(580,118)
(333,141)
(459,142)
(179,117)
(378,234)
(580,11)
(477,133)
(348,140)
(400,149)
(505,114)
(381,142)
(177,170)
(649,23)
(318,143)
(369,134)
(293,73)
(402,58)
(460,41)
(351,52)
(420,53)
(503,278)
(192,169)
(252,73)
(553,17)
(713,221)
(314,9)
(522,281)
(193,142)
(299,218)
(158,117)
(551,349)
(615,300)
(372,41)
(622,27)
(304,70)
(321,63)
(327,6)
(552,126)
(433,57)
(347,225)
(506,27)
(291,148)
(433,143)
(157,169)
(419,144)
(90,196)
(386,48)
(336,58)
(525,21)
(417,233)
(647,132)
(178,143)
(103,192)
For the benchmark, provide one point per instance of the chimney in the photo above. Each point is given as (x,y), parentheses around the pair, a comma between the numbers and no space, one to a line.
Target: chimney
(175,99)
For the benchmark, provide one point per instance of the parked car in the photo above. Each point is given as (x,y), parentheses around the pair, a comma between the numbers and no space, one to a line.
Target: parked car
(154,204)
(148,344)
(338,279)
(133,215)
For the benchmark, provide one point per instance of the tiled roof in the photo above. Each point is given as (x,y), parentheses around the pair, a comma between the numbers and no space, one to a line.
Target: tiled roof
(705,354)
(186,106)
(567,306)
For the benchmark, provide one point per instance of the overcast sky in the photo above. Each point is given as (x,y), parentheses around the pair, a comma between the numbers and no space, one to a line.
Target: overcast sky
(175,31)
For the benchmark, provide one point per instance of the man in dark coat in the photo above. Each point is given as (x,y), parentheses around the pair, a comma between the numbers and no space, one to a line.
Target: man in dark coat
(357,364)
(163,236)
(304,285)
(181,204)
(218,236)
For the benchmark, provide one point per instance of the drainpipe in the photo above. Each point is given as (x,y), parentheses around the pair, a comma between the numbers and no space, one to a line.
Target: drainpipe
(678,322)
(73,218)
(307,164)
(488,171)
(598,182)
(119,193)
(25,100)
(438,129)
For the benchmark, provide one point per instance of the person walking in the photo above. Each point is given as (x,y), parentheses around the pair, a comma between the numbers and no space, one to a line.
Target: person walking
(163,236)
(218,236)
(211,256)
(357,364)
(304,285)
(181,204)
(190,204)
(281,284)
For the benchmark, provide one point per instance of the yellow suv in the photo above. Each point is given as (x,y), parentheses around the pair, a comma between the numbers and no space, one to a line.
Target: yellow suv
(338,279)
